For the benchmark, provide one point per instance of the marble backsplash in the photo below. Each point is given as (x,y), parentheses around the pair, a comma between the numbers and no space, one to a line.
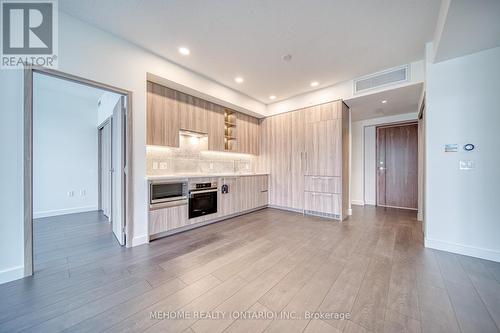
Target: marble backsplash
(193,157)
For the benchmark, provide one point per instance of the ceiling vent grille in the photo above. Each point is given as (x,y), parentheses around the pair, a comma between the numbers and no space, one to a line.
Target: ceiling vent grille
(381,79)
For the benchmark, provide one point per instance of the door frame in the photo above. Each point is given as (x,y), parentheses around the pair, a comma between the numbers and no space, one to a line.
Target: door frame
(389,125)
(100,128)
(28,155)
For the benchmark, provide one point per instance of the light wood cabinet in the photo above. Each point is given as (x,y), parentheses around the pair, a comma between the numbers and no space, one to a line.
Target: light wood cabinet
(192,112)
(230,202)
(215,116)
(324,148)
(162,116)
(247,134)
(169,111)
(306,153)
(323,204)
(323,184)
(166,219)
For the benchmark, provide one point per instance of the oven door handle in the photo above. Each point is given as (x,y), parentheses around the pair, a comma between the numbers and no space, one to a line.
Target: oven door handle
(201,191)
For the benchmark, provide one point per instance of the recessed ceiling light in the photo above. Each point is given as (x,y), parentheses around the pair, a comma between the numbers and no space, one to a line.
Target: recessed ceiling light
(184,50)
(314,84)
(384,101)
(238,79)
(272,97)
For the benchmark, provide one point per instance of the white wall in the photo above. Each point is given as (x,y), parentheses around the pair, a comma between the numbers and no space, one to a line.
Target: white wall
(462,106)
(93,54)
(65,150)
(363,174)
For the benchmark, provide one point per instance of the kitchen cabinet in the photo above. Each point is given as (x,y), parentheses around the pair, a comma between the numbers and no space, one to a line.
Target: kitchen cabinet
(162,116)
(166,219)
(306,153)
(230,202)
(192,112)
(324,148)
(215,127)
(323,204)
(247,134)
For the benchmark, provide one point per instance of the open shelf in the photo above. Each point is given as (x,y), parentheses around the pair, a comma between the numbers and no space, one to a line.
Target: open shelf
(229,130)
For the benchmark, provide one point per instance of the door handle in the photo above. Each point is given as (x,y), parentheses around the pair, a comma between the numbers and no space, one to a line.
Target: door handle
(382,168)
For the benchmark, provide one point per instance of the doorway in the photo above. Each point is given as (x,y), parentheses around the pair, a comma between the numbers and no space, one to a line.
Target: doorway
(397,166)
(64,150)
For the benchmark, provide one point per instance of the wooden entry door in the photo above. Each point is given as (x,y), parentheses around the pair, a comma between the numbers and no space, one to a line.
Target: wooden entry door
(397,165)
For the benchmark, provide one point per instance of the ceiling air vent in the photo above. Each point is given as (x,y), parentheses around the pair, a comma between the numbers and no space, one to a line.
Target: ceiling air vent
(381,79)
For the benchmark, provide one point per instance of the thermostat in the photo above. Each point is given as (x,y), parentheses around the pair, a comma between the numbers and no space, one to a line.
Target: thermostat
(469,147)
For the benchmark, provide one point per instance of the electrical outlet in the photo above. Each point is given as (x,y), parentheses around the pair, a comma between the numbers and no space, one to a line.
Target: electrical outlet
(211,166)
(163,165)
(83,192)
(71,193)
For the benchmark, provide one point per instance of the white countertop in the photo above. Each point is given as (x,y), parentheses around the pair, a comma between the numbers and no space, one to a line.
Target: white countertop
(197,175)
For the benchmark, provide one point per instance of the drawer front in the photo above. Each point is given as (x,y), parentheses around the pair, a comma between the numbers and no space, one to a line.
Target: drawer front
(166,219)
(322,203)
(323,184)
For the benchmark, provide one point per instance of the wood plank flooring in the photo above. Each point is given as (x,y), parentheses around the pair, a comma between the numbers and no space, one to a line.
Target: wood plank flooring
(261,272)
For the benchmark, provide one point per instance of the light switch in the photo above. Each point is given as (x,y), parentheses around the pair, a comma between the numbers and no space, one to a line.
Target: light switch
(466,164)
(155,165)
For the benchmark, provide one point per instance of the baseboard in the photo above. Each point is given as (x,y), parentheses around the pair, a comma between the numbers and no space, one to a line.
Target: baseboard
(288,209)
(11,274)
(357,203)
(57,212)
(463,249)
(139,240)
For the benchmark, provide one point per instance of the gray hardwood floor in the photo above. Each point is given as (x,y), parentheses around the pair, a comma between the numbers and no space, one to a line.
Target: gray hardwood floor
(370,273)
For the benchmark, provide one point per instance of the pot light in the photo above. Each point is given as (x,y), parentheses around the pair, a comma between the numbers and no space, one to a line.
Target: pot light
(184,50)
(272,97)
(238,79)
(384,101)
(314,84)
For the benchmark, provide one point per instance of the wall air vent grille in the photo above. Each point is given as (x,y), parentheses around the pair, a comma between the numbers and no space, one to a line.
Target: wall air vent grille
(385,78)
(322,214)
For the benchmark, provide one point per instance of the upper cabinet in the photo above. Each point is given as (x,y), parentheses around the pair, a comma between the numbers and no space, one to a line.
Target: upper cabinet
(215,127)
(169,111)
(192,113)
(162,116)
(247,134)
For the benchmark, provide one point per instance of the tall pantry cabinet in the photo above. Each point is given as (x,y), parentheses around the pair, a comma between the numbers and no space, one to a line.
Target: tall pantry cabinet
(306,153)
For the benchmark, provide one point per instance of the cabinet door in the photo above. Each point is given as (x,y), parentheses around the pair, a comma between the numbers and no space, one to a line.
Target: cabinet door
(162,116)
(298,142)
(279,137)
(230,202)
(167,219)
(263,191)
(192,113)
(247,133)
(215,115)
(322,203)
(326,111)
(324,148)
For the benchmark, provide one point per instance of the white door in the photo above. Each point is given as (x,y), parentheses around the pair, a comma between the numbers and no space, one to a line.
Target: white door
(118,167)
(106,170)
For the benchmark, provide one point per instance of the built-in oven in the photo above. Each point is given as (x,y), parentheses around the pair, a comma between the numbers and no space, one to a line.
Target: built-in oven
(168,193)
(202,199)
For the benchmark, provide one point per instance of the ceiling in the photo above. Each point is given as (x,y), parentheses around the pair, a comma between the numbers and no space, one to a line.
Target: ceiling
(399,101)
(329,40)
(469,26)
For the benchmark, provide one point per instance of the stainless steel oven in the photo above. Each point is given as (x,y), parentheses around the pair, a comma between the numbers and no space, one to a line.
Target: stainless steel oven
(202,199)
(168,193)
